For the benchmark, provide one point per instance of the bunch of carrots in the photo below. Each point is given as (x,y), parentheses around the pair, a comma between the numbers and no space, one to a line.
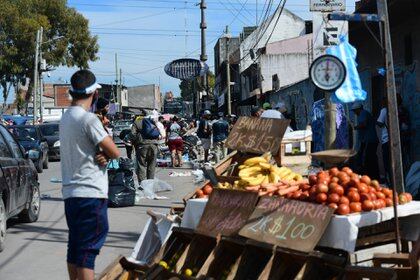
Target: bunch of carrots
(282,188)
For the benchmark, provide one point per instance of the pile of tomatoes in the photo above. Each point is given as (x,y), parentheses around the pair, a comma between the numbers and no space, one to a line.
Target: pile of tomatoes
(203,192)
(347,192)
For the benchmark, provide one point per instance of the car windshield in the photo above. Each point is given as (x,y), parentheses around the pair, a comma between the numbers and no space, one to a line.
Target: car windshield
(24,133)
(50,130)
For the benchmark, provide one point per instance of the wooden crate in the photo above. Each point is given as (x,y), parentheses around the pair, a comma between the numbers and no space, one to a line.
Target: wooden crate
(299,162)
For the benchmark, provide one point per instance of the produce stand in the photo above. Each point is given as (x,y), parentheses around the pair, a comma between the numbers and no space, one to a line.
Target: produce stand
(263,221)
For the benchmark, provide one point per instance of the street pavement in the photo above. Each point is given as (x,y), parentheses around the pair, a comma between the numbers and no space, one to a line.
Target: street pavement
(38,250)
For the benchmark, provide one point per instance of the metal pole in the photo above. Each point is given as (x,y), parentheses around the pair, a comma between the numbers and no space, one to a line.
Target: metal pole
(229,105)
(41,81)
(397,180)
(203,56)
(35,88)
(329,122)
(117,86)
(120,95)
(194,99)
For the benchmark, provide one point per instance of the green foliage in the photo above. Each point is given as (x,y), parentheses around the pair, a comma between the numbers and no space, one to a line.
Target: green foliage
(187,87)
(67,40)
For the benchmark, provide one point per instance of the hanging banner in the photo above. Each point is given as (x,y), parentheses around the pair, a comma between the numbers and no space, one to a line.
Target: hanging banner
(327,5)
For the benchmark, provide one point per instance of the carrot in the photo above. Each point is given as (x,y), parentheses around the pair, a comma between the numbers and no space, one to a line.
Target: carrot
(265,185)
(271,188)
(288,190)
(282,187)
(252,188)
(262,193)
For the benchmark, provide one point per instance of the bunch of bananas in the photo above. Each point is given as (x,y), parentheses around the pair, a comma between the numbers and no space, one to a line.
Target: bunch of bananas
(258,170)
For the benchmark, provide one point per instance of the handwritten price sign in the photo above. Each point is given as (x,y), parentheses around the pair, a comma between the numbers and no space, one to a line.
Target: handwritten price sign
(288,223)
(257,135)
(226,212)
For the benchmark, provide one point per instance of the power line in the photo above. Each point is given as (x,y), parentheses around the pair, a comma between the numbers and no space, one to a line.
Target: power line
(233,13)
(146,34)
(136,18)
(156,30)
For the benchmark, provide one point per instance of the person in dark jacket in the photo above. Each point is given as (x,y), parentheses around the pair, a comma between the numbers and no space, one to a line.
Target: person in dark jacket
(220,133)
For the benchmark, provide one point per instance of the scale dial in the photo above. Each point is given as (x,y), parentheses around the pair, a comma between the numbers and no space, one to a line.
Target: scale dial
(328,72)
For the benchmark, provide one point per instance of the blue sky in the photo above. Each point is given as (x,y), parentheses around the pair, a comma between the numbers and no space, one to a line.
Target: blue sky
(147,34)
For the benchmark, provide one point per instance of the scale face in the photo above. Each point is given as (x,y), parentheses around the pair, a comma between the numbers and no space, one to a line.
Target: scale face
(328,72)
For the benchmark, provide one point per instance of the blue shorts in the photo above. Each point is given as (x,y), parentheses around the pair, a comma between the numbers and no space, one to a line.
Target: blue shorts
(87,220)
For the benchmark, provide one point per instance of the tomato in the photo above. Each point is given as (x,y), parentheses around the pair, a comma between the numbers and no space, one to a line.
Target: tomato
(364,196)
(312,179)
(289,195)
(334,180)
(347,170)
(355,177)
(382,203)
(352,190)
(355,207)
(368,205)
(331,186)
(402,199)
(305,195)
(376,204)
(321,188)
(323,178)
(372,190)
(199,192)
(365,179)
(333,198)
(374,183)
(372,196)
(363,188)
(343,209)
(378,188)
(389,202)
(338,190)
(297,194)
(321,197)
(380,195)
(353,196)
(207,189)
(343,177)
(334,171)
(333,206)
(387,192)
(353,183)
(344,200)
(409,196)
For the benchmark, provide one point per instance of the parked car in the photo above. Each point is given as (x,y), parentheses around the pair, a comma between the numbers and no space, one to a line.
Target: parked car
(31,138)
(51,132)
(117,128)
(19,187)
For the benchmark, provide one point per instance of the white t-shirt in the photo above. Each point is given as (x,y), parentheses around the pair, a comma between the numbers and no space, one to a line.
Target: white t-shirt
(80,134)
(162,130)
(272,114)
(383,118)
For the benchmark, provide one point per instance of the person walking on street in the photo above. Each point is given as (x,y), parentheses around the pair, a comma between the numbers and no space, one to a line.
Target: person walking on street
(175,142)
(220,134)
(85,147)
(382,122)
(162,129)
(204,133)
(146,139)
(256,111)
(367,158)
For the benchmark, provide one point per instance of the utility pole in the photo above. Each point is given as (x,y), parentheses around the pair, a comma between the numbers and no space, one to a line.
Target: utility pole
(117,85)
(392,109)
(330,129)
(229,106)
(203,56)
(36,75)
(41,81)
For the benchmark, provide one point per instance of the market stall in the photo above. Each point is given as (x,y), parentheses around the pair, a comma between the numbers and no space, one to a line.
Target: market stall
(256,219)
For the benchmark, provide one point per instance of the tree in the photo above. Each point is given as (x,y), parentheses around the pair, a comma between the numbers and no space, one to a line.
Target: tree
(187,87)
(66,37)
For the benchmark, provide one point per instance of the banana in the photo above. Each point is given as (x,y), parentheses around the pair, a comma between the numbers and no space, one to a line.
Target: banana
(267,156)
(264,165)
(297,177)
(266,180)
(249,171)
(254,181)
(254,161)
(242,166)
(289,177)
(285,173)
(273,177)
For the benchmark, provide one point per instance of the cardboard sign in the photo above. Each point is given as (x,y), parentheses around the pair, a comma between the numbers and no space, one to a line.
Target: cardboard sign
(226,212)
(288,223)
(257,135)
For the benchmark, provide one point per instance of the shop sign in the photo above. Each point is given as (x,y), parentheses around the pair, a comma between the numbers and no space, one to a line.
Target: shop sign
(326,33)
(226,212)
(186,68)
(257,135)
(288,223)
(327,5)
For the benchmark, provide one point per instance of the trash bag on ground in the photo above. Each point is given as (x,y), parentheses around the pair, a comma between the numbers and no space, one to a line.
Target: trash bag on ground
(149,188)
(121,191)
